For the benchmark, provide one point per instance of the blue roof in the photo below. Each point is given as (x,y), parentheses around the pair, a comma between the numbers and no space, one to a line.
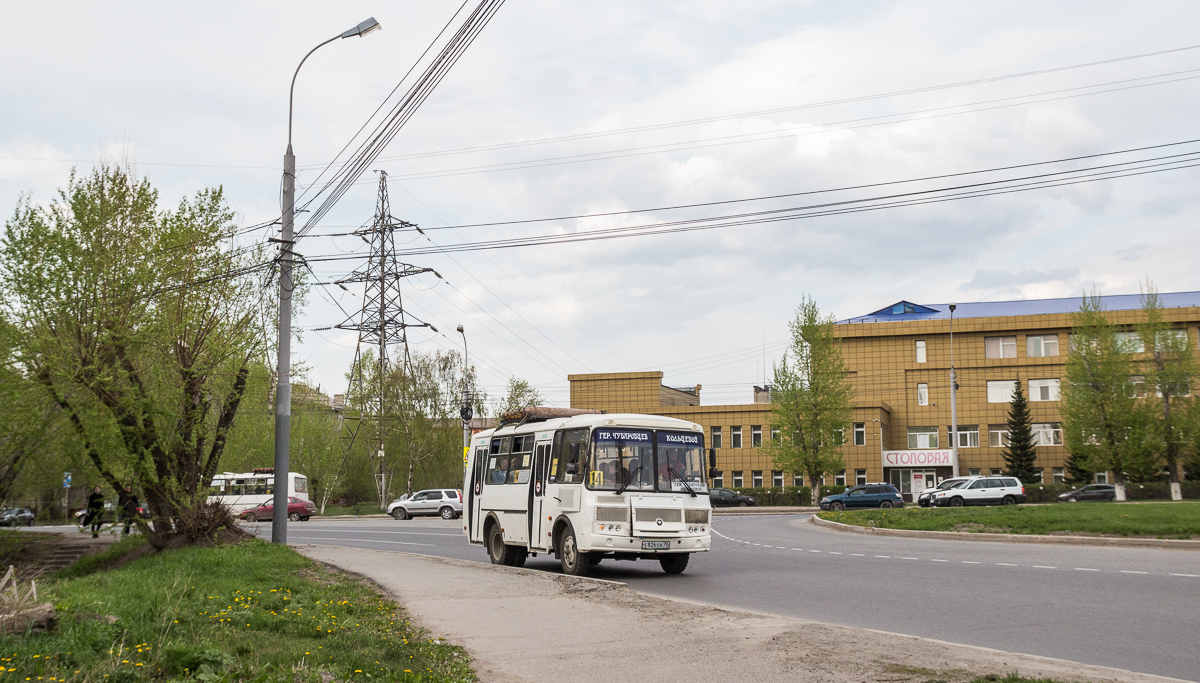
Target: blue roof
(904,311)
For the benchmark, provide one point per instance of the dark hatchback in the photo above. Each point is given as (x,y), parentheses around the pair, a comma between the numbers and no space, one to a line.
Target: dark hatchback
(724,498)
(1090,492)
(864,496)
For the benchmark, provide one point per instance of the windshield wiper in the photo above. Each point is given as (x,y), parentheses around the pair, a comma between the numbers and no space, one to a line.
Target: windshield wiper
(681,481)
(628,480)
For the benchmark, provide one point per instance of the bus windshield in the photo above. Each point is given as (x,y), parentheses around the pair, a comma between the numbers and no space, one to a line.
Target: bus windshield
(622,457)
(681,461)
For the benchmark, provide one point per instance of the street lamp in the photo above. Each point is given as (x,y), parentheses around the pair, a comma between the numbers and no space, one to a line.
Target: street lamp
(465,412)
(283,387)
(953,398)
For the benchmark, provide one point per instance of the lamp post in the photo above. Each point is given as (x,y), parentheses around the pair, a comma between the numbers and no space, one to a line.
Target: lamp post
(465,412)
(283,387)
(953,397)
(880,421)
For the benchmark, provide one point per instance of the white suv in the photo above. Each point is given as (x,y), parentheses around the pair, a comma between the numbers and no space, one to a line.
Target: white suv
(444,502)
(981,491)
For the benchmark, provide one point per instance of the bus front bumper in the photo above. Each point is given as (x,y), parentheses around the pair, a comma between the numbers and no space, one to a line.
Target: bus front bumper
(681,543)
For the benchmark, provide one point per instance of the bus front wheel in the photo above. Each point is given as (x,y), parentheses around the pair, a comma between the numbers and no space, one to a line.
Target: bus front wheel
(674,564)
(573,562)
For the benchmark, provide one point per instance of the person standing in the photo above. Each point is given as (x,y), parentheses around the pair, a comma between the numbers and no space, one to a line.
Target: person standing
(127,507)
(95,511)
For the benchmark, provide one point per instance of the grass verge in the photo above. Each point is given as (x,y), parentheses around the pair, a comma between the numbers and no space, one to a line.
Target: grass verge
(247,612)
(917,674)
(1157,520)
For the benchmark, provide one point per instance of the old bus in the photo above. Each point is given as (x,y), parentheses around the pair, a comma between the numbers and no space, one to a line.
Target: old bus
(588,487)
(240,492)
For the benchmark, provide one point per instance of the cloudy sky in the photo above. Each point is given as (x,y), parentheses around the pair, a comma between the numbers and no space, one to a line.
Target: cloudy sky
(642,105)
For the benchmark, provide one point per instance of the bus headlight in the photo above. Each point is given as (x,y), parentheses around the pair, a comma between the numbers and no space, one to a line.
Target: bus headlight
(610,528)
(697,529)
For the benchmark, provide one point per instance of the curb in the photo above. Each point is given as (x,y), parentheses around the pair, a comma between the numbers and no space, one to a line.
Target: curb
(1011,538)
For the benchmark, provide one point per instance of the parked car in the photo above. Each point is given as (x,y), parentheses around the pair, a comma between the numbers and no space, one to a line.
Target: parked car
(927,494)
(864,496)
(981,491)
(724,498)
(298,511)
(1090,492)
(16,517)
(444,502)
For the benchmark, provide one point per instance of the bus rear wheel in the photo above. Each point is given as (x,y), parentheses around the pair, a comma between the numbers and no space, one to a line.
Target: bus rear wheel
(674,564)
(573,562)
(500,552)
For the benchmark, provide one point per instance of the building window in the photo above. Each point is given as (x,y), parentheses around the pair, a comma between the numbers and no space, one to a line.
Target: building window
(718,482)
(1001,391)
(860,434)
(797,480)
(1041,345)
(968,436)
(737,479)
(922,437)
(1038,477)
(995,471)
(735,437)
(922,394)
(777,478)
(1102,477)
(755,436)
(973,472)
(1058,475)
(1047,434)
(1000,347)
(1129,342)
(1044,390)
(756,478)
(716,437)
(860,477)
(774,434)
(1137,384)
(839,479)
(997,436)
(921,351)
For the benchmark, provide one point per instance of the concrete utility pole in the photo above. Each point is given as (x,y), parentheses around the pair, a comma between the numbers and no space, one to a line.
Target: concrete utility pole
(953,397)
(466,412)
(283,387)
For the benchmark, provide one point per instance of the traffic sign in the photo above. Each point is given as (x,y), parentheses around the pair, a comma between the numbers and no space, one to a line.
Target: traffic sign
(66,480)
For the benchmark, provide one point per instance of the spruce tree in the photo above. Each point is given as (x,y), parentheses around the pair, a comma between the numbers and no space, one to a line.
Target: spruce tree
(1079,470)
(1021,453)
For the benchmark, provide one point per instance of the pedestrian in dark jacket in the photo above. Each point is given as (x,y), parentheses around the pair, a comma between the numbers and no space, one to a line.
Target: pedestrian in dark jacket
(127,507)
(95,512)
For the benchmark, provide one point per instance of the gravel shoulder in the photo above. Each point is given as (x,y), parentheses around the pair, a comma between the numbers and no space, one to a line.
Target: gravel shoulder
(524,625)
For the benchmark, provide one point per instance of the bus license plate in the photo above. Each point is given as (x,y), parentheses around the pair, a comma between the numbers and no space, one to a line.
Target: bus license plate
(656,545)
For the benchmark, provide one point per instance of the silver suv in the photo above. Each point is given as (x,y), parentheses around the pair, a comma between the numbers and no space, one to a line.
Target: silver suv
(444,502)
(981,491)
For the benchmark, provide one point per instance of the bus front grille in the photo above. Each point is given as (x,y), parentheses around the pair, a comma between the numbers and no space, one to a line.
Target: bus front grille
(611,514)
(696,516)
(670,515)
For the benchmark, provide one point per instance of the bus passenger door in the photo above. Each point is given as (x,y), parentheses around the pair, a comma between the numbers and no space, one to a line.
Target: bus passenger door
(537,497)
(475,495)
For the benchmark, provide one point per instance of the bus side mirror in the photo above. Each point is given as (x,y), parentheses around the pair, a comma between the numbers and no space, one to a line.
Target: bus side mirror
(713,472)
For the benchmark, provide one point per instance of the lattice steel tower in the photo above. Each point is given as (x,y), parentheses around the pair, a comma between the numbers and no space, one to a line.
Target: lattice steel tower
(381,323)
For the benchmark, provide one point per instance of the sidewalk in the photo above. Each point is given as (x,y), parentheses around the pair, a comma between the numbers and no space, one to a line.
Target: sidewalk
(522,625)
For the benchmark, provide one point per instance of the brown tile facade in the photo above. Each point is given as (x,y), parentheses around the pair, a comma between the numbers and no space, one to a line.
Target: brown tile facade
(883,361)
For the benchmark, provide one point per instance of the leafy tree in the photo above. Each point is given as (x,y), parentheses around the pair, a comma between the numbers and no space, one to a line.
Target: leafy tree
(812,399)
(141,325)
(519,394)
(28,419)
(1168,368)
(1021,452)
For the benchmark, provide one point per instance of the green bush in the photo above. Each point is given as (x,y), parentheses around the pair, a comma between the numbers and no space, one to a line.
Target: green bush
(787,496)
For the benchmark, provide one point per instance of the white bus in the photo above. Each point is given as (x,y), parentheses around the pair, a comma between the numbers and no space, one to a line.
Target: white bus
(589,487)
(240,492)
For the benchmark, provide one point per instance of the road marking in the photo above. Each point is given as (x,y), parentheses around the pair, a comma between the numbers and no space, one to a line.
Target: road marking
(359,540)
(767,546)
(799,549)
(1042,566)
(1086,569)
(1191,576)
(970,562)
(857,555)
(909,558)
(814,551)
(758,544)
(939,560)
(1126,571)
(1005,564)
(884,557)
(833,553)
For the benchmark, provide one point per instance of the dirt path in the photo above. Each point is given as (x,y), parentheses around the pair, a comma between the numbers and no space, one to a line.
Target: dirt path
(524,625)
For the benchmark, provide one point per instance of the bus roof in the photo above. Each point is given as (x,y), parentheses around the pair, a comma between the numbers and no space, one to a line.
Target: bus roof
(604,420)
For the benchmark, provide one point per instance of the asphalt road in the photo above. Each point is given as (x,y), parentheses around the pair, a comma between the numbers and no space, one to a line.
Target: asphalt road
(1131,608)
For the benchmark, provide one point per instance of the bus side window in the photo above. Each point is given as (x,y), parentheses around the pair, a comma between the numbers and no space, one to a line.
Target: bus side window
(217,488)
(238,488)
(260,486)
(270,486)
(301,485)
(498,462)
(569,456)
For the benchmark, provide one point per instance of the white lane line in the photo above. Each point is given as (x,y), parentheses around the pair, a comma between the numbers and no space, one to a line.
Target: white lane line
(939,560)
(884,557)
(768,546)
(814,551)
(1086,569)
(1005,564)
(358,540)
(1126,571)
(857,555)
(909,558)
(970,562)
(1042,566)
(798,549)
(1190,576)
(758,544)
(833,553)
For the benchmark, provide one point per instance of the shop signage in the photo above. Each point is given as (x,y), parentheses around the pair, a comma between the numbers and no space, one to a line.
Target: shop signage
(923,458)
